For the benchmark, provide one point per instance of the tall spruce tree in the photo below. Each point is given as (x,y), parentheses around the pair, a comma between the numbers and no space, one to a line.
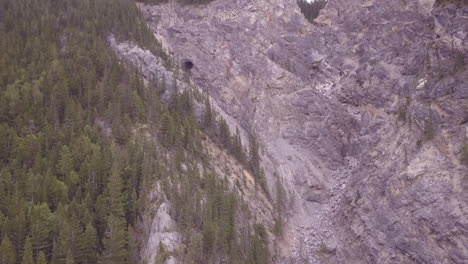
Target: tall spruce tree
(27,252)
(7,251)
(89,244)
(115,240)
(254,156)
(41,258)
(208,118)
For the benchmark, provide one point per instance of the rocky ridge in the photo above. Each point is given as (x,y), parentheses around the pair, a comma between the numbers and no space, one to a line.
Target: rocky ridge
(363,114)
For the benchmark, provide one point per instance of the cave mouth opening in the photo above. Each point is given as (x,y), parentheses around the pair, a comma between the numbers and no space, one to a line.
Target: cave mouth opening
(311,8)
(188,65)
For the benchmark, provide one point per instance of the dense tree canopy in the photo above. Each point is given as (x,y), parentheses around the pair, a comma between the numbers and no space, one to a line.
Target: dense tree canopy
(74,170)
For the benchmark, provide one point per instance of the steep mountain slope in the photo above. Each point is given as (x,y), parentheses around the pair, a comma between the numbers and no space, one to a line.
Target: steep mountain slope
(242,133)
(64,194)
(362,114)
(102,164)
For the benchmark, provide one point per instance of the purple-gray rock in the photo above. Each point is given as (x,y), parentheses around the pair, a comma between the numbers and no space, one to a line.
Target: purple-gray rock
(363,114)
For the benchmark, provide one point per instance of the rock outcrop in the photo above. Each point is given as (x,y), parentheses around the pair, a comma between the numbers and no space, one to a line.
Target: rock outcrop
(363,114)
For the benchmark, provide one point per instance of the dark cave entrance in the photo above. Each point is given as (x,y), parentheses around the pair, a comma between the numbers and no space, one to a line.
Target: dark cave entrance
(187,65)
(311,8)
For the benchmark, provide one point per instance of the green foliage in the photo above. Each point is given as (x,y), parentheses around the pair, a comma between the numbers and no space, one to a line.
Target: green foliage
(322,250)
(163,254)
(464,155)
(89,244)
(115,239)
(403,110)
(459,61)
(278,228)
(187,2)
(459,3)
(311,10)
(254,162)
(7,251)
(208,118)
(42,222)
(62,90)
(27,252)
(259,248)
(219,130)
(69,258)
(428,130)
(41,258)
(75,168)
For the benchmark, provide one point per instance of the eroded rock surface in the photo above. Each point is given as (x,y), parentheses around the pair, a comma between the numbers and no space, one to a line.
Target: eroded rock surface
(363,114)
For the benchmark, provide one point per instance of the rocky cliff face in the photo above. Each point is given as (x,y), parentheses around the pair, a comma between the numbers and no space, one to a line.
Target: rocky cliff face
(363,115)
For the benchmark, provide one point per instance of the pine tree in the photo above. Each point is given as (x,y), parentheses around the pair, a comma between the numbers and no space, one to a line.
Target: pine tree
(224,134)
(238,151)
(69,259)
(7,251)
(41,222)
(208,116)
(133,245)
(464,156)
(65,163)
(27,252)
(17,224)
(57,254)
(167,130)
(278,228)
(41,259)
(115,240)
(254,157)
(89,244)
(259,248)
(74,235)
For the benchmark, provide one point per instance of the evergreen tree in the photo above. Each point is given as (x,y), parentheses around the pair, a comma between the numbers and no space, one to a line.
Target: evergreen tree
(56,253)
(41,222)
(41,259)
(7,251)
(90,244)
(167,130)
(278,228)
(254,156)
(208,116)
(70,110)
(224,134)
(27,252)
(259,248)
(238,151)
(115,240)
(69,259)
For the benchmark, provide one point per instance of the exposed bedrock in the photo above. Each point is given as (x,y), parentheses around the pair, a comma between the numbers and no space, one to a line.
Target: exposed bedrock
(363,114)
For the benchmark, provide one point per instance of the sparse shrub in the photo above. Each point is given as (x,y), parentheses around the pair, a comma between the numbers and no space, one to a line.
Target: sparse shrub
(464,156)
(459,61)
(163,253)
(402,114)
(403,110)
(428,130)
(458,3)
(323,250)
(188,2)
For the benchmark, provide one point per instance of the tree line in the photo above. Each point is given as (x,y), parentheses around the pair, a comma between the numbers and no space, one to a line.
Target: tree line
(217,128)
(75,170)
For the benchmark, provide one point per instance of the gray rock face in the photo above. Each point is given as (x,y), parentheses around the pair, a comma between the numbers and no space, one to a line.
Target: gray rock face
(363,114)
